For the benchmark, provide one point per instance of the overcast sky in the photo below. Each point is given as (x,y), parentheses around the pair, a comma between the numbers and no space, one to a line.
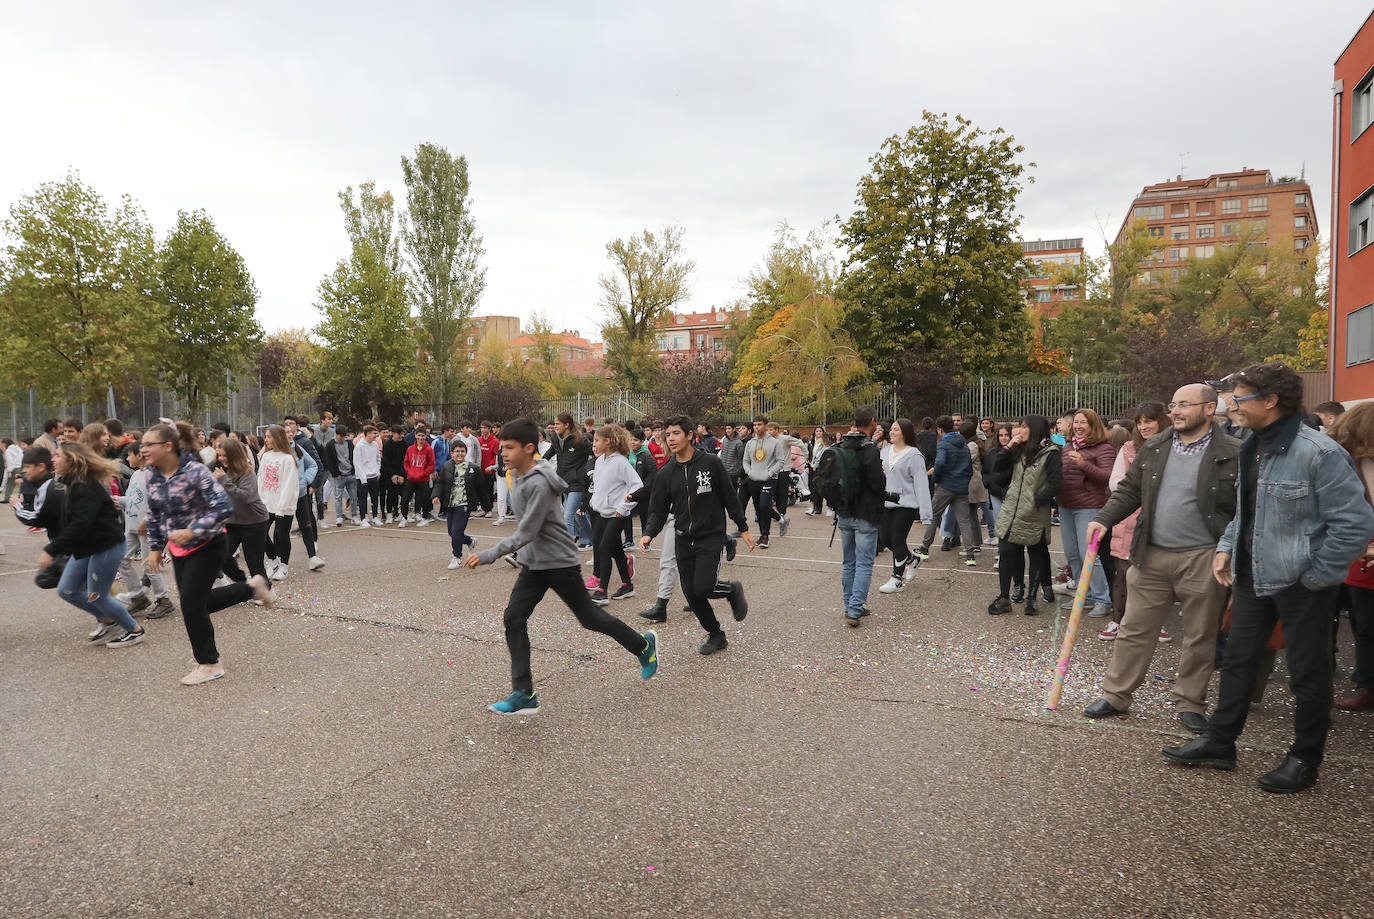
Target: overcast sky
(583,122)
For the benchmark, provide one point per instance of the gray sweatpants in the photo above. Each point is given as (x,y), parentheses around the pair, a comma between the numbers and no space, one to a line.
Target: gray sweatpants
(136,550)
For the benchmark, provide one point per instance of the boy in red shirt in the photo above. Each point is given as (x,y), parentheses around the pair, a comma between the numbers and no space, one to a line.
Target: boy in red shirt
(490,447)
(419,466)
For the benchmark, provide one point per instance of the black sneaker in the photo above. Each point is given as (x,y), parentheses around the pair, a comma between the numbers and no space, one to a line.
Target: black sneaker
(1018,593)
(126,639)
(1047,592)
(714,643)
(687,607)
(948,545)
(730,549)
(625,590)
(739,606)
(999,606)
(599,597)
(762,543)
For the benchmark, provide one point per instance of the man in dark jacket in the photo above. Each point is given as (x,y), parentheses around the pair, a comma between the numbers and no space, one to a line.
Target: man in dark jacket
(951,474)
(857,516)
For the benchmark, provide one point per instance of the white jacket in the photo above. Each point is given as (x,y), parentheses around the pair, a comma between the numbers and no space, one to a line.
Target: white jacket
(615,478)
(278,482)
(367,459)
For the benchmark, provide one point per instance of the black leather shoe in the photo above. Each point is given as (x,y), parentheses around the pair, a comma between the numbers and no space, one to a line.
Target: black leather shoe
(739,607)
(999,606)
(1047,592)
(1194,722)
(1103,709)
(730,549)
(1292,775)
(656,613)
(1018,593)
(713,643)
(1031,609)
(1204,751)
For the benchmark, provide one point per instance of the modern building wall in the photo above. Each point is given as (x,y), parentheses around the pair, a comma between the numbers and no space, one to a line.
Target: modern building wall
(1352,220)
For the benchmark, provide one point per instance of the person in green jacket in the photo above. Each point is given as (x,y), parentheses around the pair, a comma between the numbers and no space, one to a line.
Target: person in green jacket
(1023,525)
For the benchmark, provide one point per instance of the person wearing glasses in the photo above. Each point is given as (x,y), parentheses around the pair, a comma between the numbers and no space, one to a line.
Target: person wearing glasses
(187,511)
(1183,484)
(1301,519)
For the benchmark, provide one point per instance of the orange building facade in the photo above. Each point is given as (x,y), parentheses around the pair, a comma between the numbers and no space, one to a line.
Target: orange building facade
(1196,218)
(1352,220)
(1047,296)
(695,334)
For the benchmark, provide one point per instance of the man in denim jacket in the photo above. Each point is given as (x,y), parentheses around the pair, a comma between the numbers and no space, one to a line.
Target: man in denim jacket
(1301,519)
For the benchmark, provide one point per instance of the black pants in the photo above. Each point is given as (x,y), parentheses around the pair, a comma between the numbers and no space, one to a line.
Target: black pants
(1362,624)
(305,522)
(1011,566)
(1306,619)
(607,547)
(194,574)
(391,496)
(530,587)
(488,496)
(420,490)
(781,491)
(698,572)
(253,538)
(893,531)
(370,498)
(762,495)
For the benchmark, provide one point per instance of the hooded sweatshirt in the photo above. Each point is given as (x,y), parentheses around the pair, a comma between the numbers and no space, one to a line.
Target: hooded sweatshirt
(907,483)
(542,536)
(278,482)
(419,462)
(615,478)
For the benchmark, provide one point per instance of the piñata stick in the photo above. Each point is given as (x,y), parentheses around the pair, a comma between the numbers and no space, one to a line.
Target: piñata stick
(1071,630)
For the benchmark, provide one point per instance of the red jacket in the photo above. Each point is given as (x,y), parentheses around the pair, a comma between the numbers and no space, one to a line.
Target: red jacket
(1086,485)
(660,452)
(490,446)
(419,462)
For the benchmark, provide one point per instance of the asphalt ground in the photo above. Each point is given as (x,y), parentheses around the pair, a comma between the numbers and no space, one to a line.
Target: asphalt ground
(347,766)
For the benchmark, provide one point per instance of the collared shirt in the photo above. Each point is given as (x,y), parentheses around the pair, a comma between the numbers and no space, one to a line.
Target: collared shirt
(1195,447)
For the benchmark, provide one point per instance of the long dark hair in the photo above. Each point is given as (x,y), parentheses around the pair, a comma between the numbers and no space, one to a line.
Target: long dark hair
(1038,431)
(908,431)
(574,429)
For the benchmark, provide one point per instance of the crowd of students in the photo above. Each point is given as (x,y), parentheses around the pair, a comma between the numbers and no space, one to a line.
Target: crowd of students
(1165,495)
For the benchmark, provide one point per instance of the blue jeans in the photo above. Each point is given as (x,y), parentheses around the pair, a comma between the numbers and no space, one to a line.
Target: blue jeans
(1073,529)
(345,486)
(458,530)
(95,574)
(579,525)
(990,512)
(859,539)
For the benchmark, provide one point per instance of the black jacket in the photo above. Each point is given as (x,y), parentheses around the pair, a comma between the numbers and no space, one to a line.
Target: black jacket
(997,469)
(868,504)
(331,456)
(571,461)
(91,522)
(471,480)
(927,442)
(393,458)
(697,494)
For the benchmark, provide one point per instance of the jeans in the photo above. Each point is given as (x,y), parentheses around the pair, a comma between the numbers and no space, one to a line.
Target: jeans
(859,539)
(95,574)
(990,512)
(1073,529)
(136,550)
(530,587)
(458,537)
(579,525)
(345,486)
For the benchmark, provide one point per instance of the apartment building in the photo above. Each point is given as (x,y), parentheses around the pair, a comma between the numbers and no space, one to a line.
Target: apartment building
(695,333)
(1351,334)
(1046,295)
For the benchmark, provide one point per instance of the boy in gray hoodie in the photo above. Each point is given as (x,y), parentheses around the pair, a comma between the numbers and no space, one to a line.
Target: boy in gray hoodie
(548,560)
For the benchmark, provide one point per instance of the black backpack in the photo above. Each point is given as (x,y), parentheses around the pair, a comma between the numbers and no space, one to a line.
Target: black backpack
(837,477)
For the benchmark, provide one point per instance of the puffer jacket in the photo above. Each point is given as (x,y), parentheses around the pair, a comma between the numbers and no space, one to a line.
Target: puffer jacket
(1025,515)
(1085,485)
(953,469)
(1124,531)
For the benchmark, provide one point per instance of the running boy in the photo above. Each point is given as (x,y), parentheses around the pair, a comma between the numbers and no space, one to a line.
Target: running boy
(548,561)
(458,484)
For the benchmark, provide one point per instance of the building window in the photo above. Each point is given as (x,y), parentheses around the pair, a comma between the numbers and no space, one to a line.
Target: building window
(1359,336)
(1360,107)
(1205,251)
(1173,275)
(1302,242)
(1179,210)
(1257,226)
(1260,203)
(1151,212)
(1300,222)
(469,339)
(1203,209)
(1230,228)
(1178,253)
(1206,230)
(1230,205)
(1043,296)
(718,344)
(1300,199)
(1178,232)
(1228,183)
(1360,221)
(1156,232)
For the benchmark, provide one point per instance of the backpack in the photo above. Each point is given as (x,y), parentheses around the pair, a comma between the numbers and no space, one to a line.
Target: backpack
(837,477)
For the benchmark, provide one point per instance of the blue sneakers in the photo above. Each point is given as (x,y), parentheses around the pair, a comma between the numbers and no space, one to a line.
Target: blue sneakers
(517,703)
(648,658)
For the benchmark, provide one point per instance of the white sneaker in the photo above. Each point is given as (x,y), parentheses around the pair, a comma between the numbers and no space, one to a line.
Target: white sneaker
(324,524)
(414,517)
(356,522)
(127,598)
(388,518)
(829,512)
(362,523)
(893,586)
(424,522)
(498,521)
(990,541)
(280,573)
(316,563)
(263,594)
(401,525)
(453,563)
(377,523)
(221,581)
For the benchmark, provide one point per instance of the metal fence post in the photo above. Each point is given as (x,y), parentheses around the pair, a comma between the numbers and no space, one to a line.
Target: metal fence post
(982,401)
(1075,390)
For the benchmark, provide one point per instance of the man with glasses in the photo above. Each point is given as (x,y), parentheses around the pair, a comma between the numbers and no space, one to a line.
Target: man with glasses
(1183,482)
(1301,519)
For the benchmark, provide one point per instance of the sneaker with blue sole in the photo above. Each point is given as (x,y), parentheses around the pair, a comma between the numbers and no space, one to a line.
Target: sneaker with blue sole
(517,703)
(648,658)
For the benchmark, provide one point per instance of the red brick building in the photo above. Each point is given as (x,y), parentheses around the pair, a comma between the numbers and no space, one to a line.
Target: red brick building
(695,333)
(1352,220)
(1193,218)
(1044,294)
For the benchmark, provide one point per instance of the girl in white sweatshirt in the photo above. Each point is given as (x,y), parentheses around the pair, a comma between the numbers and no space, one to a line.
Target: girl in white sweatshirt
(615,479)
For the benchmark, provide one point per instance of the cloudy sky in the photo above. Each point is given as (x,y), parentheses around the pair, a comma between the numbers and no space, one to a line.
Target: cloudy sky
(583,122)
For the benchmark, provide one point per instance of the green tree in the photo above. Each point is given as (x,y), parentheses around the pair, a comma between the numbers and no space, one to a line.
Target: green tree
(544,360)
(210,297)
(933,256)
(648,278)
(367,328)
(792,270)
(286,364)
(803,354)
(78,311)
(443,258)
